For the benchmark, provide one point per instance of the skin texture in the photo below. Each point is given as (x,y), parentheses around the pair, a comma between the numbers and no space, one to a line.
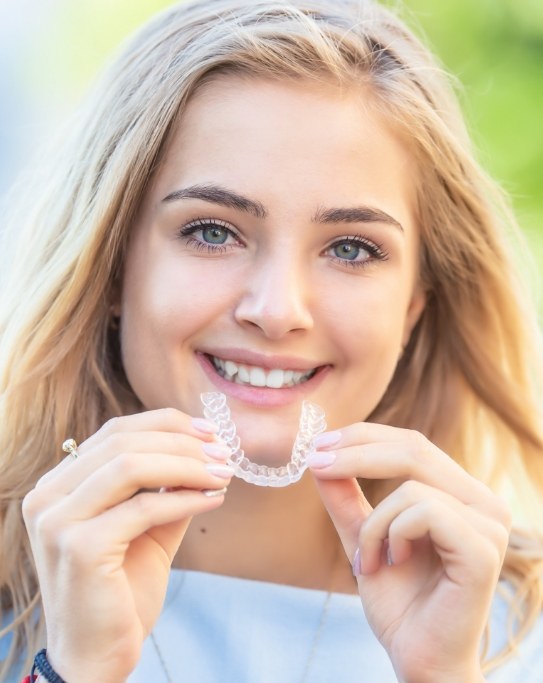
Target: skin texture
(280,291)
(275,290)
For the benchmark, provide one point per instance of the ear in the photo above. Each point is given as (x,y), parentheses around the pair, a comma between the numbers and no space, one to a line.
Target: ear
(414,311)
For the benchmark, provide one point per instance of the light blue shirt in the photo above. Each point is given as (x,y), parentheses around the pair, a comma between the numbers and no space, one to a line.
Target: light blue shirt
(217,629)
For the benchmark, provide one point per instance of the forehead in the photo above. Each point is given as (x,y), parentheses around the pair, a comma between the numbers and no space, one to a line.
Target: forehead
(276,138)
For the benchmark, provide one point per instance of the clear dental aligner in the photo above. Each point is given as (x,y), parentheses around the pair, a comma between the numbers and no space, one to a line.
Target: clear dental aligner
(312,422)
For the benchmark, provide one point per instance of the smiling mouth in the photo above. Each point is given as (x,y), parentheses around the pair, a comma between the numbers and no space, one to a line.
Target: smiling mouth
(255,376)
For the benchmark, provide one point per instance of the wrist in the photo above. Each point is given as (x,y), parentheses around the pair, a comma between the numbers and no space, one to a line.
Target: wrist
(43,671)
(46,669)
(77,671)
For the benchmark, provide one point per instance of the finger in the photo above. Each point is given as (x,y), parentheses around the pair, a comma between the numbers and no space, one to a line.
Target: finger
(153,511)
(162,515)
(465,553)
(415,457)
(128,474)
(381,526)
(162,420)
(67,476)
(347,507)
(148,441)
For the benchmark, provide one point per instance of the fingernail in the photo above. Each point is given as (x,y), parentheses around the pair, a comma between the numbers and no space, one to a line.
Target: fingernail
(213,493)
(326,439)
(357,568)
(219,470)
(204,426)
(216,450)
(319,459)
(390,561)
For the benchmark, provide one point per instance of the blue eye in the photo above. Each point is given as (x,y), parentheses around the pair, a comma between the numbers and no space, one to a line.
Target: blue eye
(210,235)
(356,251)
(214,234)
(347,251)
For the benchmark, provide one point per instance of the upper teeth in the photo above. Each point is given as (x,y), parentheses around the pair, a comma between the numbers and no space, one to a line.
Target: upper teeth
(259,377)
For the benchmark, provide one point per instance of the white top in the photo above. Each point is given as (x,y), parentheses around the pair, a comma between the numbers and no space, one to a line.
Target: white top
(217,629)
(222,629)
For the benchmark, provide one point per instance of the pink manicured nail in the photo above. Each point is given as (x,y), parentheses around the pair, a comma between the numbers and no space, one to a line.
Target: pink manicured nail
(219,470)
(357,568)
(204,426)
(216,450)
(319,459)
(214,493)
(326,439)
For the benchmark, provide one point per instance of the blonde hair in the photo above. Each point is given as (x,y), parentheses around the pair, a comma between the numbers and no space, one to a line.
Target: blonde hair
(466,379)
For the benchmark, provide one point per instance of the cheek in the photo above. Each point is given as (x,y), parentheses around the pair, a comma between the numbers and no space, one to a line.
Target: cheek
(166,303)
(369,317)
(366,330)
(166,296)
(371,347)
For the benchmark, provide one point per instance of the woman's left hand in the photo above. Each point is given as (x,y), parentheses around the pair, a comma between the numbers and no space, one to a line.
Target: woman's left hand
(430,552)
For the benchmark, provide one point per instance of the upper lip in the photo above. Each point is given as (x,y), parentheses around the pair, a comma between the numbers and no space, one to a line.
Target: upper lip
(247,357)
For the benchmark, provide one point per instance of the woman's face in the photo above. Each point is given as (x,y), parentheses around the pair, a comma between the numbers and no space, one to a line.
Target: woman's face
(277,246)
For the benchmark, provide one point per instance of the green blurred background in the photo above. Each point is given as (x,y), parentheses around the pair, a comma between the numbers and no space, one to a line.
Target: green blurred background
(494,47)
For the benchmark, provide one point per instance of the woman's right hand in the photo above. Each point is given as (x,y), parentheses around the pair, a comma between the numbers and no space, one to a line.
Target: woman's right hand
(104,529)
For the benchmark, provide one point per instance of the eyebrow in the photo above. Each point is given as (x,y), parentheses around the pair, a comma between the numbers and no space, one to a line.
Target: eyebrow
(233,200)
(219,195)
(358,214)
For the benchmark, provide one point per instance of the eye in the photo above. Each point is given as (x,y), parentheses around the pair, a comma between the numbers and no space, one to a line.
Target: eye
(209,234)
(214,234)
(346,250)
(356,251)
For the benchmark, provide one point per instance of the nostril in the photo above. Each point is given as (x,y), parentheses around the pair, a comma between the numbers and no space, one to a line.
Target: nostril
(274,320)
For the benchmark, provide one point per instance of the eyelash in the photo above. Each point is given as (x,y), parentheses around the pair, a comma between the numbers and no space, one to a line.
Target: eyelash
(188,231)
(376,251)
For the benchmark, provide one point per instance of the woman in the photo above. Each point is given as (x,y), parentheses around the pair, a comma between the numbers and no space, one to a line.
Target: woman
(276,201)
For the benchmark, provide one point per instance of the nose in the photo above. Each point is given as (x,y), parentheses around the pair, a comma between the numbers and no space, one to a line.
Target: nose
(276,297)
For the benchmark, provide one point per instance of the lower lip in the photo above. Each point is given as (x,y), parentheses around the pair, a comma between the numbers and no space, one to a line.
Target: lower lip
(261,396)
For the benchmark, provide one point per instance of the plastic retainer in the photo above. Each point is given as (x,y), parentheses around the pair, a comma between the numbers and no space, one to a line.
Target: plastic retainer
(312,422)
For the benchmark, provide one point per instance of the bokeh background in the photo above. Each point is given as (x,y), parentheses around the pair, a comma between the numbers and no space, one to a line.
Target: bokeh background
(50,50)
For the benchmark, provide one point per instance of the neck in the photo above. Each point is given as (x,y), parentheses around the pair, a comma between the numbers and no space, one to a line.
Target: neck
(278,535)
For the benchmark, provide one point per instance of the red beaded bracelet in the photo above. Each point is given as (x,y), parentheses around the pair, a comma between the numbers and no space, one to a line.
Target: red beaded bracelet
(29,679)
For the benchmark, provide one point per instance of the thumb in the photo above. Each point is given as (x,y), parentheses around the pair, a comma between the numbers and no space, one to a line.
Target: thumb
(347,507)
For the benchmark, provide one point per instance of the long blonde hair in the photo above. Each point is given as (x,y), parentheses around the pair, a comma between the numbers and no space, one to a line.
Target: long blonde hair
(466,378)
